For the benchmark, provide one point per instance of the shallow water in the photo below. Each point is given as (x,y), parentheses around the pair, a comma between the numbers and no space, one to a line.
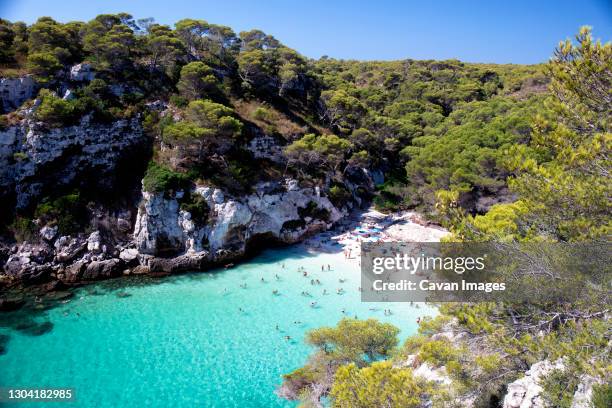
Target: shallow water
(183,341)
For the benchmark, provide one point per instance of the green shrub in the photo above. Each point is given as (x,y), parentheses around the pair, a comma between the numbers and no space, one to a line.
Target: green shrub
(312,210)
(54,111)
(4,123)
(339,196)
(559,388)
(179,101)
(68,212)
(262,114)
(602,396)
(159,178)
(196,205)
(19,156)
(23,229)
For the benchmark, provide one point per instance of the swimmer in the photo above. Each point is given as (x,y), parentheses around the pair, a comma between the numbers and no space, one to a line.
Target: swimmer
(275,292)
(277,327)
(277,277)
(313,304)
(262,279)
(328,267)
(322,268)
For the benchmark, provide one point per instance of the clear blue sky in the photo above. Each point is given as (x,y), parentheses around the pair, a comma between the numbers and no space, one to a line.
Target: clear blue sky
(502,31)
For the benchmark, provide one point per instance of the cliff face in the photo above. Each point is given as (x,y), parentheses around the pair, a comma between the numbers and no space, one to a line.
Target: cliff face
(15,91)
(34,160)
(167,239)
(139,231)
(272,212)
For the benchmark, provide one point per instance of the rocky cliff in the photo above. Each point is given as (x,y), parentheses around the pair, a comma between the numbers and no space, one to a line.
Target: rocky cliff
(138,231)
(166,239)
(35,160)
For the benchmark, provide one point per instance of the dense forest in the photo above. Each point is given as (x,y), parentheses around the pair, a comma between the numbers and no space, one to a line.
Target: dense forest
(427,125)
(505,153)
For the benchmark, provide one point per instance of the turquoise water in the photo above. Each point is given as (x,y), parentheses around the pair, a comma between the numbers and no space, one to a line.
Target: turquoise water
(183,341)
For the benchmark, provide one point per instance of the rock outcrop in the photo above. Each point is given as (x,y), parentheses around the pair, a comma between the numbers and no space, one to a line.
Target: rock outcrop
(15,91)
(34,159)
(264,146)
(282,212)
(526,392)
(82,72)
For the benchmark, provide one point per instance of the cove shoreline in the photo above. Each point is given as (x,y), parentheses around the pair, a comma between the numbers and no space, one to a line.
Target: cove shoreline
(394,226)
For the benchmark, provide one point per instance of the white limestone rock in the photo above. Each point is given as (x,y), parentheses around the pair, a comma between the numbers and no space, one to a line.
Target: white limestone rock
(85,147)
(82,73)
(15,91)
(232,221)
(128,255)
(94,242)
(526,391)
(48,233)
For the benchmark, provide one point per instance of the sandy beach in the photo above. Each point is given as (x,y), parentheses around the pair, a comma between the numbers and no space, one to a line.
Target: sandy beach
(374,226)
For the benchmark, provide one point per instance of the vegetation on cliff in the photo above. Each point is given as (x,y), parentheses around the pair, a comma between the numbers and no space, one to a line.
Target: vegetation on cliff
(560,177)
(496,152)
(204,92)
